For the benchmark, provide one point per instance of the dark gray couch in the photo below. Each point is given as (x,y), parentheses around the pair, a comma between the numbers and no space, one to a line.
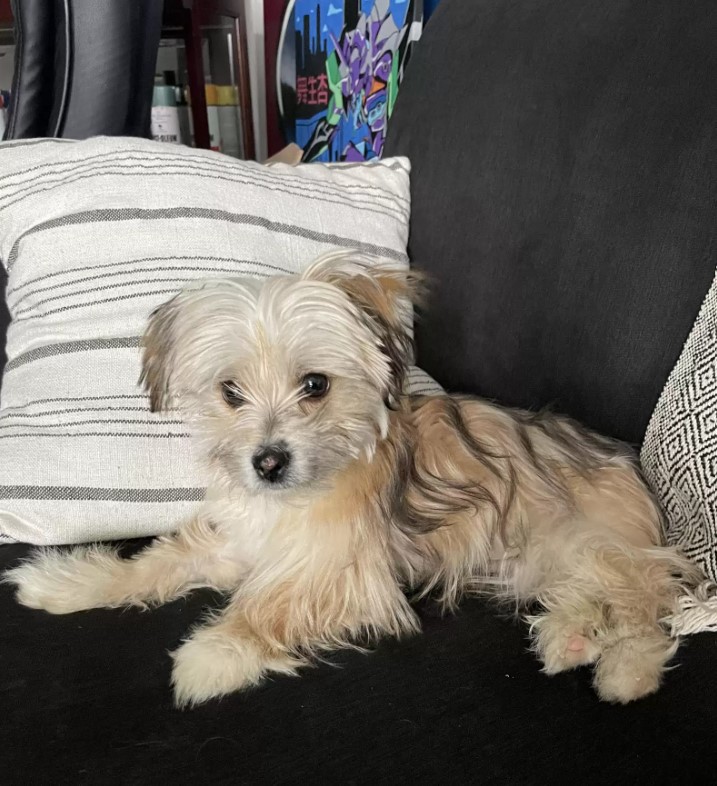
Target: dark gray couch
(565,202)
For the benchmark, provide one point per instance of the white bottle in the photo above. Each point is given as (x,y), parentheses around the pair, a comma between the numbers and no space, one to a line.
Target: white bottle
(165,118)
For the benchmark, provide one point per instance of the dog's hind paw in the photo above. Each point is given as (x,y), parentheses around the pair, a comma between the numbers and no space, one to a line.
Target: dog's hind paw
(564,652)
(562,643)
(212,664)
(632,668)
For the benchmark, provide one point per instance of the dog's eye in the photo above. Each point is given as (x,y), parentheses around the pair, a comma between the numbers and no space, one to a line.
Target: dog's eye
(231,394)
(315,385)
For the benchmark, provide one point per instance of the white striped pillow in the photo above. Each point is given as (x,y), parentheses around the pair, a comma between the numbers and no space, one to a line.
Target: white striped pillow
(96,234)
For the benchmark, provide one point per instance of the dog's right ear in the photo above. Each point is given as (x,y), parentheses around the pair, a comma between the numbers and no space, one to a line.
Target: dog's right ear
(384,296)
(158,353)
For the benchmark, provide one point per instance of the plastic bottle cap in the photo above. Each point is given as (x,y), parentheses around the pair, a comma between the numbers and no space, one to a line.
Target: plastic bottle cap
(164,95)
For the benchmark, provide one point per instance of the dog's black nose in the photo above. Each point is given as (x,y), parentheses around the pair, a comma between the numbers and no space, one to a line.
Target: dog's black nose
(271,463)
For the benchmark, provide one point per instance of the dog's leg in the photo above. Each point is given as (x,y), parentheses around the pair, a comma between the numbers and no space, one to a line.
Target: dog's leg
(606,609)
(87,577)
(224,656)
(278,630)
(640,588)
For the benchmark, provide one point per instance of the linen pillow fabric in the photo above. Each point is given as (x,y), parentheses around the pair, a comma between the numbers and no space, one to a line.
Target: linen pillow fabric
(94,235)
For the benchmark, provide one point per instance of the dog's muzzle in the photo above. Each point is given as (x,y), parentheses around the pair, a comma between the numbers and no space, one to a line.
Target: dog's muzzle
(270,463)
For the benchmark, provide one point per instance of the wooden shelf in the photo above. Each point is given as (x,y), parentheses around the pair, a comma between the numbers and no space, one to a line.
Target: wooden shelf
(5,14)
(188,17)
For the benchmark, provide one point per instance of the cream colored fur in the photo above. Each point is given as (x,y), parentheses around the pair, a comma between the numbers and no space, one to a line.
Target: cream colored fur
(385,497)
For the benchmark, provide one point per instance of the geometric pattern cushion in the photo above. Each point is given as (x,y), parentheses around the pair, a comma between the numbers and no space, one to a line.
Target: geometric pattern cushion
(679,454)
(679,459)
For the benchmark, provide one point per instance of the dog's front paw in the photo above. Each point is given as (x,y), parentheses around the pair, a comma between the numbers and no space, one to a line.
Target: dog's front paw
(212,663)
(63,582)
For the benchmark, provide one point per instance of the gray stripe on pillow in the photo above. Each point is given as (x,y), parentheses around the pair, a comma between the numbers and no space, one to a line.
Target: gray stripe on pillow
(137,261)
(123,434)
(117,284)
(165,158)
(55,399)
(146,214)
(97,422)
(24,316)
(88,493)
(70,411)
(28,143)
(67,347)
(141,170)
(180,284)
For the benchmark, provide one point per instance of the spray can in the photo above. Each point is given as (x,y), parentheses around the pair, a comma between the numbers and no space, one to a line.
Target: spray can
(165,118)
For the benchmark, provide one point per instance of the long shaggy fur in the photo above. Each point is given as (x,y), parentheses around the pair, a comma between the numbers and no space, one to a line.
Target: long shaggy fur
(386,497)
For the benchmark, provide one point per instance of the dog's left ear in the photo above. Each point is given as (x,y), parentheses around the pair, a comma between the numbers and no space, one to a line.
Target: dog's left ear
(385,296)
(158,360)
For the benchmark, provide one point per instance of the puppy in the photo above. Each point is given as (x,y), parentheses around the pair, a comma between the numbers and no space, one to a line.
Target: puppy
(333,494)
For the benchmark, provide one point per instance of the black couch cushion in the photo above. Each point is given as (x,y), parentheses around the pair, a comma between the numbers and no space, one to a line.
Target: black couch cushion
(564,197)
(85,700)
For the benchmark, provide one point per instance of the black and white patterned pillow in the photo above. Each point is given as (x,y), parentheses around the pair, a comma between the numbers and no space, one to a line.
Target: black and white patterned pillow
(679,458)
(94,235)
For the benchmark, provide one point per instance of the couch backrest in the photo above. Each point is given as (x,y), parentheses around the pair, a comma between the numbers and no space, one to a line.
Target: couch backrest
(564,195)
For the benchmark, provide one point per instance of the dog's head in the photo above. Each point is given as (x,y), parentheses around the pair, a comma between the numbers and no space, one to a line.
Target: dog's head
(288,379)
